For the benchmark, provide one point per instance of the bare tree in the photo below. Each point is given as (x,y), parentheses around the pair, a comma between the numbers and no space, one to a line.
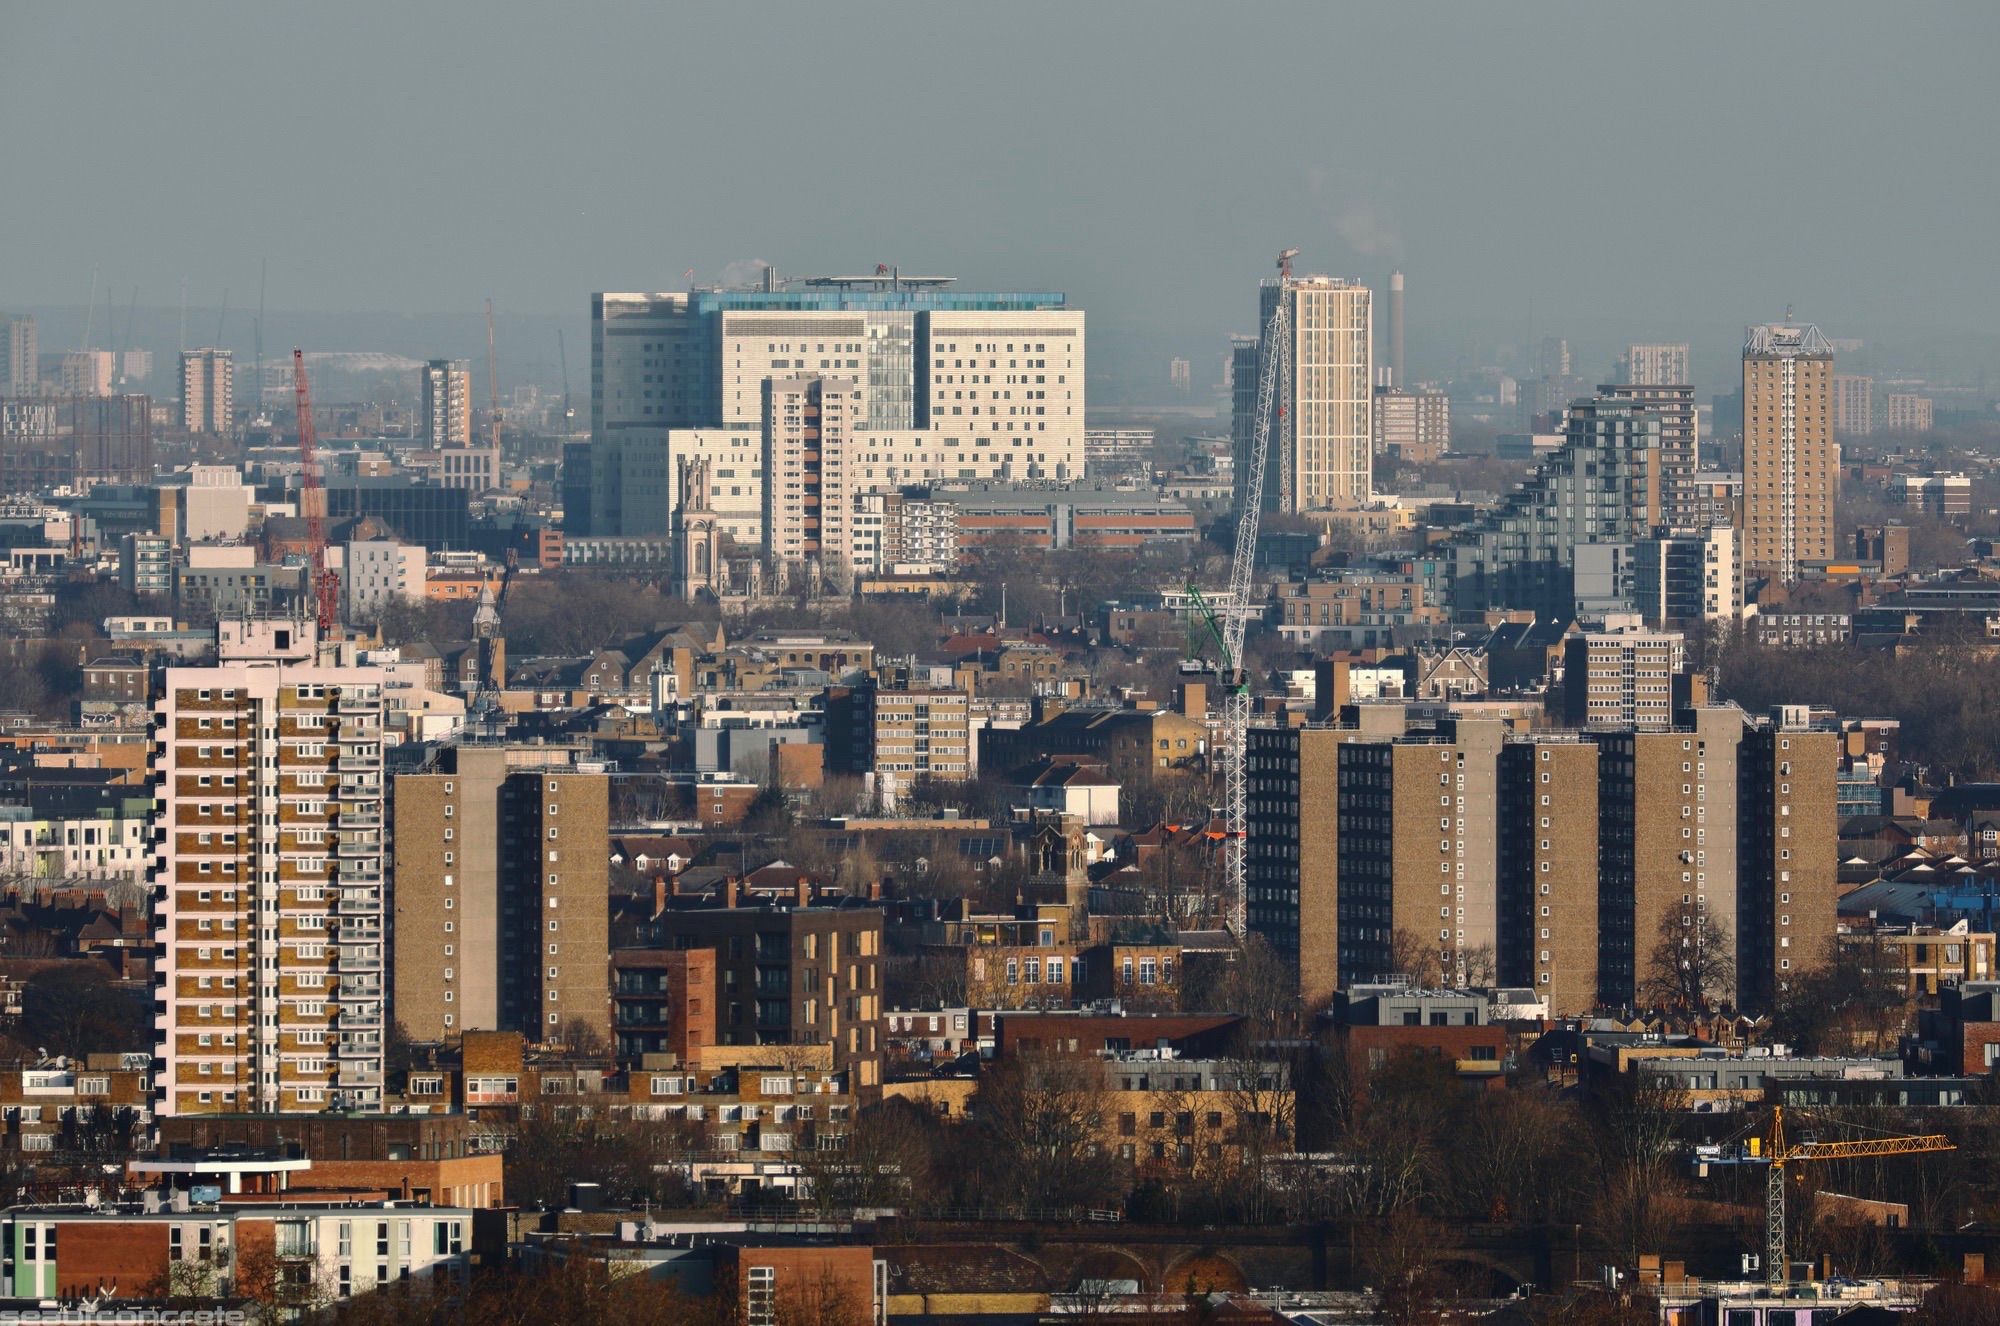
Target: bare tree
(1412,955)
(1043,1120)
(1693,963)
(1637,1172)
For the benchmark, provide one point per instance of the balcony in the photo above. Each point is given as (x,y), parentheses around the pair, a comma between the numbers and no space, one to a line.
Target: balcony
(351,703)
(361,1045)
(359,763)
(357,789)
(360,845)
(357,818)
(359,871)
(358,960)
(359,902)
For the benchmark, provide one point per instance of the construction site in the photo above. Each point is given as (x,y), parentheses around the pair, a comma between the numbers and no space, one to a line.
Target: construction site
(71,441)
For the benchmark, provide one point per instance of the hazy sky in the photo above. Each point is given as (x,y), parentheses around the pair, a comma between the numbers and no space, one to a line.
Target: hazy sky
(1657,166)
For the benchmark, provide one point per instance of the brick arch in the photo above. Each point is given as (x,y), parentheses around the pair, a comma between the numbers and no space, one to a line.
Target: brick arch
(1205,1271)
(1479,1273)
(1102,1262)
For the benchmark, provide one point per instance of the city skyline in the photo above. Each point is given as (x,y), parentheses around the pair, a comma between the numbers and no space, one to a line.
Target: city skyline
(1134,141)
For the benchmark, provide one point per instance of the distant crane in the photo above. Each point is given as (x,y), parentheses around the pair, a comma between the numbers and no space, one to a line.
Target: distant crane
(1782,1155)
(1785,1154)
(492,377)
(222,318)
(90,311)
(312,500)
(1228,621)
(125,345)
(263,269)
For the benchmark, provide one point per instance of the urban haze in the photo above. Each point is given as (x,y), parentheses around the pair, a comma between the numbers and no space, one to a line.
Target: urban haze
(787,664)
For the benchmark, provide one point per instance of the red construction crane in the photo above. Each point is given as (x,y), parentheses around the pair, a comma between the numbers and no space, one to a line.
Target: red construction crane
(312,503)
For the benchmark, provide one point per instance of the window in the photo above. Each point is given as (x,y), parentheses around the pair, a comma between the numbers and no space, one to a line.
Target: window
(761,1297)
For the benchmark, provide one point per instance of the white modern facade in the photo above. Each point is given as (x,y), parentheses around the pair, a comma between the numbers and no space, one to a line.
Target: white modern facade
(376,574)
(937,384)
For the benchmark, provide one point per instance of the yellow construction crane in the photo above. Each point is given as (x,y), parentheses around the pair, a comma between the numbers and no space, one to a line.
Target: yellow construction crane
(1782,1154)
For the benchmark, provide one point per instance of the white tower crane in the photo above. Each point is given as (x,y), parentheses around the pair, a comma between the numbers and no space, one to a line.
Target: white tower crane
(1228,621)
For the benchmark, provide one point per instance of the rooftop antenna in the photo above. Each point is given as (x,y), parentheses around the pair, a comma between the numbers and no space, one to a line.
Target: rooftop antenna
(263,266)
(90,311)
(1788,311)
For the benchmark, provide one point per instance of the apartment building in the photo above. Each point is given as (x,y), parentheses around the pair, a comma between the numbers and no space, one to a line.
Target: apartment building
(1787,852)
(114,1253)
(808,507)
(1658,365)
(469,469)
(267,876)
(1471,854)
(1909,413)
(790,975)
(23,374)
(77,832)
(1417,856)
(662,1002)
(502,895)
(1789,455)
(1603,485)
(208,385)
(1358,610)
(899,534)
(376,574)
(447,403)
(1545,929)
(1622,678)
(1411,426)
(899,733)
(1695,576)
(1667,835)
(1944,496)
(86,372)
(1681,499)
(1853,405)
(1329,462)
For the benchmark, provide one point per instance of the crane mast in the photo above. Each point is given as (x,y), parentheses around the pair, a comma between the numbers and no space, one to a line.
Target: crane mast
(1784,1155)
(325,585)
(1274,377)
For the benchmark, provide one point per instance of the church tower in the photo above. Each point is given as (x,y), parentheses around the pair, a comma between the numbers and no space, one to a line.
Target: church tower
(697,565)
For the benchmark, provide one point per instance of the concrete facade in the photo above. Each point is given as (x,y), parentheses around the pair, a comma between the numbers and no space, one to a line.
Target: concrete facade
(502,895)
